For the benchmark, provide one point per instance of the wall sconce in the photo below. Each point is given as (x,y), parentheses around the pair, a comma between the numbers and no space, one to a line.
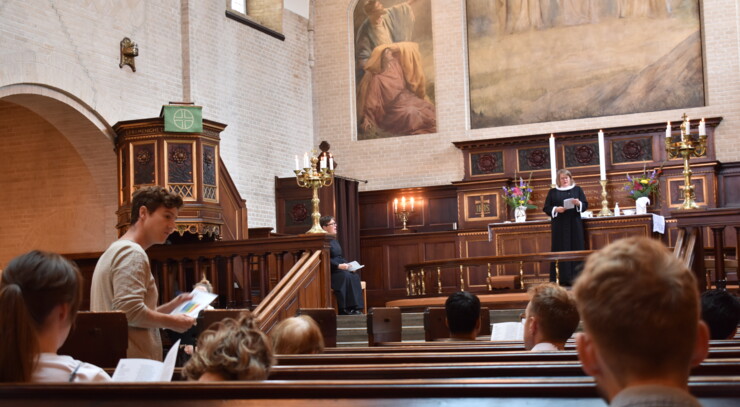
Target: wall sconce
(129,51)
(405,212)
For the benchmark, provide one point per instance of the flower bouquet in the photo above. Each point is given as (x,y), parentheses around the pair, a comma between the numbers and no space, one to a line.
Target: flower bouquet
(643,185)
(518,198)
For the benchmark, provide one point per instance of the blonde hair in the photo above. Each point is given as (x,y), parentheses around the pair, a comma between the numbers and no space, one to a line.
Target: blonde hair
(640,305)
(563,171)
(556,311)
(233,349)
(297,335)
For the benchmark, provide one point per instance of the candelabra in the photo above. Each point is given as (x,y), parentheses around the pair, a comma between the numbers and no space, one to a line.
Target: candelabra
(605,211)
(403,214)
(314,176)
(686,148)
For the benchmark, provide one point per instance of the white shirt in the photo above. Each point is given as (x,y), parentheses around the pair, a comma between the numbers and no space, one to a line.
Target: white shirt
(544,347)
(62,368)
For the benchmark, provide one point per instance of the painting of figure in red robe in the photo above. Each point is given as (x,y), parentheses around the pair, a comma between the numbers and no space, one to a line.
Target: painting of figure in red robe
(533,61)
(394,70)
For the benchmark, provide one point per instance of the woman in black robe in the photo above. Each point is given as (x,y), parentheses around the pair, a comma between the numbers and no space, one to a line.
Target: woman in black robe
(566,225)
(346,284)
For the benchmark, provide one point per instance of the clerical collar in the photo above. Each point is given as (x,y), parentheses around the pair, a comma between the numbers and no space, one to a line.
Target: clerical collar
(566,188)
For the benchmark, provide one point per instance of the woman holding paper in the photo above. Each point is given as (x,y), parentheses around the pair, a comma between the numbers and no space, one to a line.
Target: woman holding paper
(344,280)
(40,294)
(564,204)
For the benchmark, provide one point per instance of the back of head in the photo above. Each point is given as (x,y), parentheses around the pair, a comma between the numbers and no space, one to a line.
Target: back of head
(152,198)
(297,335)
(463,312)
(31,286)
(721,311)
(556,311)
(640,306)
(233,349)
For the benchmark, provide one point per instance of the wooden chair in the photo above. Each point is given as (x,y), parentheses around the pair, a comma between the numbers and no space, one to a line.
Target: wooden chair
(383,325)
(327,320)
(100,338)
(435,327)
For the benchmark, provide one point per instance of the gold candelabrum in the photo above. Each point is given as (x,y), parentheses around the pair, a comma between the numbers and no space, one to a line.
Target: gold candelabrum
(404,213)
(315,175)
(686,148)
(605,211)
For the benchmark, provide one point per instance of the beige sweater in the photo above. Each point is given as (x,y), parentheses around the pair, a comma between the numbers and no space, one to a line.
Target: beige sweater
(123,281)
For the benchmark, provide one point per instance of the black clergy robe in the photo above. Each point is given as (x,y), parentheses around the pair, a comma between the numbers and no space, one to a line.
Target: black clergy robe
(346,285)
(567,230)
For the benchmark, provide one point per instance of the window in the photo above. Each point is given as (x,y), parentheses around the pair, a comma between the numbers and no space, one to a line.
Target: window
(262,15)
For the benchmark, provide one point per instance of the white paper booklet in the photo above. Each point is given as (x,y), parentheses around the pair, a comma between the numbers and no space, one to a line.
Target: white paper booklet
(200,301)
(507,331)
(147,370)
(568,203)
(354,266)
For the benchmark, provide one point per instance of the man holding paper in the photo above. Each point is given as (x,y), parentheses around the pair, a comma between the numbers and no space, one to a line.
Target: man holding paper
(123,281)
(344,280)
(564,204)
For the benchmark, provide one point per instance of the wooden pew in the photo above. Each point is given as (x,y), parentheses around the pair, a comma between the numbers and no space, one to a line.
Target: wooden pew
(100,338)
(456,357)
(383,325)
(541,392)
(710,367)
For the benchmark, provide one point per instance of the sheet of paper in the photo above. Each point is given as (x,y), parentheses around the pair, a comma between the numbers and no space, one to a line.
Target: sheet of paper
(354,266)
(568,203)
(200,301)
(507,331)
(147,370)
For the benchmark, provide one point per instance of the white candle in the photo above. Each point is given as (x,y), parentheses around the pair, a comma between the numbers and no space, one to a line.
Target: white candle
(403,203)
(331,162)
(395,205)
(323,162)
(668,130)
(702,128)
(602,156)
(553,164)
(297,167)
(412,204)
(688,127)
(305,160)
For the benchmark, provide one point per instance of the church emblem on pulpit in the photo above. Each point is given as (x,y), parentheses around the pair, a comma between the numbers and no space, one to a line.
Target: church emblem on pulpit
(481,206)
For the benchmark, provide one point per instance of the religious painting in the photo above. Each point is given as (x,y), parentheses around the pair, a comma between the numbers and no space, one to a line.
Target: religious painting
(533,61)
(394,68)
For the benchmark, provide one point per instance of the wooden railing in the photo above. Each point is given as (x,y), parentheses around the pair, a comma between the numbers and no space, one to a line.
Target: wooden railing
(426,278)
(302,287)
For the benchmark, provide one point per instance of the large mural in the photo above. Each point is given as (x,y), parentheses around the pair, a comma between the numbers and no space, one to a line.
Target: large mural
(394,68)
(534,61)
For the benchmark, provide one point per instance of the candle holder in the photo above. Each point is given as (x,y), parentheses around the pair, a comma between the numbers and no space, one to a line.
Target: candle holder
(604,202)
(404,213)
(315,178)
(686,148)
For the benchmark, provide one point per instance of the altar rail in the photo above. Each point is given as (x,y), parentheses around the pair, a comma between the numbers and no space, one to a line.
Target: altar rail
(417,277)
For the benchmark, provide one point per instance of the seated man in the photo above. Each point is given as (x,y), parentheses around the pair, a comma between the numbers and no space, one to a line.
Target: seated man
(721,311)
(551,318)
(642,332)
(463,316)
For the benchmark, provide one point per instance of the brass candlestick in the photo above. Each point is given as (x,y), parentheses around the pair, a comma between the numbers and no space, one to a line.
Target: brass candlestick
(688,147)
(404,213)
(315,178)
(604,202)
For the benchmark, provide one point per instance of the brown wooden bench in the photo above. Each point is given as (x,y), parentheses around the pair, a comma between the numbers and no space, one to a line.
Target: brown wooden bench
(539,392)
(100,338)
(383,325)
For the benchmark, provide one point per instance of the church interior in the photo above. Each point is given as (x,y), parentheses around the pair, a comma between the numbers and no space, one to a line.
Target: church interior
(418,139)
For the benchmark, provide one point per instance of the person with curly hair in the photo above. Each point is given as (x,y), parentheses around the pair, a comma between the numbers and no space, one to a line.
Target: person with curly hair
(233,349)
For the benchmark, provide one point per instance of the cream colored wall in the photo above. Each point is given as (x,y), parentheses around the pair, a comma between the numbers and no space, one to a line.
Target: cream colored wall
(432,159)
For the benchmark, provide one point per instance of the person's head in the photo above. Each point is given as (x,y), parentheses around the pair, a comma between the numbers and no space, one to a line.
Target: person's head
(154,211)
(551,316)
(329,224)
(203,285)
(721,311)
(565,178)
(640,310)
(297,335)
(40,295)
(463,315)
(233,349)
(374,9)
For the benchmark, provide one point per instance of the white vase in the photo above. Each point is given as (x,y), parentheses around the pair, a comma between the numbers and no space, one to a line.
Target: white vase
(520,214)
